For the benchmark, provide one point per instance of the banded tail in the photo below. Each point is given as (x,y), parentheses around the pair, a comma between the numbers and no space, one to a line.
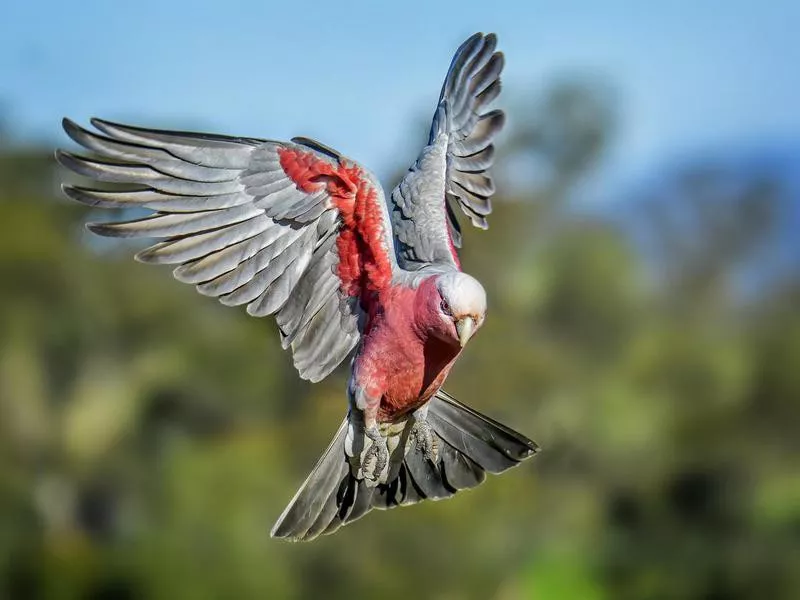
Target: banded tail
(470,445)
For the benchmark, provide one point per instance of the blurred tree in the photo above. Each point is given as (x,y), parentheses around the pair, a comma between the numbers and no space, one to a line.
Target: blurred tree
(144,429)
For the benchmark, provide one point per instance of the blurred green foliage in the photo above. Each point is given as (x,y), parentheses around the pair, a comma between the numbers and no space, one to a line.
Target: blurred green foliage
(149,437)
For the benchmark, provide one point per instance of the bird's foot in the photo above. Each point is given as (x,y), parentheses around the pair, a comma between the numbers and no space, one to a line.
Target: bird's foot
(422,434)
(376,458)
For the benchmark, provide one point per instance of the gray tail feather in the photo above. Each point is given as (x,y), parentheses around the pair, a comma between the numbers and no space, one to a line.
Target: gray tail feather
(470,445)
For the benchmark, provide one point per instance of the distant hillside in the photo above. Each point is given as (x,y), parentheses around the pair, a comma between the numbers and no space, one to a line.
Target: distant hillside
(745,198)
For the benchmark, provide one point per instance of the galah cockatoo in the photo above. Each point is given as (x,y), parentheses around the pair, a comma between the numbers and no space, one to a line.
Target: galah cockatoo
(297,230)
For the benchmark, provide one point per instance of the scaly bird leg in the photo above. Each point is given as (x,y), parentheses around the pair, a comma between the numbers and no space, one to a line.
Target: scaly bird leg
(378,451)
(422,434)
(375,460)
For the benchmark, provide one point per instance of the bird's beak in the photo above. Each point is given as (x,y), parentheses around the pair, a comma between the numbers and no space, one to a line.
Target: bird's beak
(465,328)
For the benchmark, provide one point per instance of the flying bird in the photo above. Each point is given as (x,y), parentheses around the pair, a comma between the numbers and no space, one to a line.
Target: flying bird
(299,231)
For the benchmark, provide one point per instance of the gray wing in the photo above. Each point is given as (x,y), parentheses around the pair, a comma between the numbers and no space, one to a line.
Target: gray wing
(251,222)
(453,169)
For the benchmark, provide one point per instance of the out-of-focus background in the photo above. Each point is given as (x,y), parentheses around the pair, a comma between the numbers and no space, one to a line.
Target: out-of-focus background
(642,265)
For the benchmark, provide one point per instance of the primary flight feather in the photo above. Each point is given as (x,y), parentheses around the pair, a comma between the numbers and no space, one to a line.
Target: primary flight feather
(298,231)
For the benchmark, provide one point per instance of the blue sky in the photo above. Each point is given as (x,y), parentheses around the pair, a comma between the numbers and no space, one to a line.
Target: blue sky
(359,75)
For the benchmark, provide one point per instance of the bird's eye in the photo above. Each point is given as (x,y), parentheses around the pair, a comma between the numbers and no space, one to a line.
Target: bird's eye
(445,307)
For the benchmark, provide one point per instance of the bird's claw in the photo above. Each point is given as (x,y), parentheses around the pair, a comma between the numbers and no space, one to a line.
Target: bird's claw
(379,451)
(422,434)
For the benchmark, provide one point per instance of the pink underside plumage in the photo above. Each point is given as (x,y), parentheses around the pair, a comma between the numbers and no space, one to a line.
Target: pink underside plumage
(399,362)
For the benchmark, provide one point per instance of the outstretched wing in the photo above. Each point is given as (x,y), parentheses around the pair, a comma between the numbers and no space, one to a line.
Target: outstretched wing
(453,168)
(290,229)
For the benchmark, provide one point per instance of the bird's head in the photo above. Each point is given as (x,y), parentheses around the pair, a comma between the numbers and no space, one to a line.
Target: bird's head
(454,306)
